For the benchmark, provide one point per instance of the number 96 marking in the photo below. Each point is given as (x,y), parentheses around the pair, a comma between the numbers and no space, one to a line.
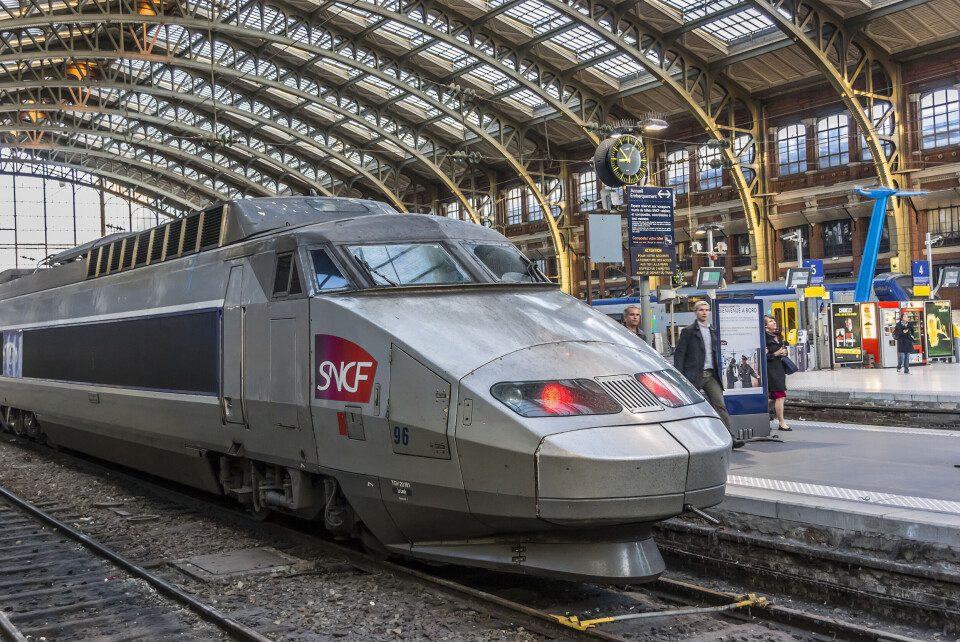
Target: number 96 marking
(401,435)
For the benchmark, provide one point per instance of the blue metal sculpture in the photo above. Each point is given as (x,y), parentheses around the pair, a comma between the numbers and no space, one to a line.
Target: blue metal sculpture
(868,265)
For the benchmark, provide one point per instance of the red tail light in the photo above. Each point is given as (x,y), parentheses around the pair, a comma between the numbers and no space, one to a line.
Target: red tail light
(670,389)
(555,398)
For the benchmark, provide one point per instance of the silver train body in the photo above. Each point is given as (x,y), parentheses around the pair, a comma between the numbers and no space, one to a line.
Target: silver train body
(216,351)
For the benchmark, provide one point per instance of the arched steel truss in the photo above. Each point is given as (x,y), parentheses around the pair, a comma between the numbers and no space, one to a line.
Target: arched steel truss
(864,78)
(193,101)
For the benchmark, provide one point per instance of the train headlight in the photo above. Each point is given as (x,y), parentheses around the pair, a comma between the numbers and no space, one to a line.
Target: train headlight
(670,389)
(555,398)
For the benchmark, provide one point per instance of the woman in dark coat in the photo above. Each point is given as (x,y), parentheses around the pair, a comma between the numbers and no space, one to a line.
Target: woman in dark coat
(903,333)
(776,375)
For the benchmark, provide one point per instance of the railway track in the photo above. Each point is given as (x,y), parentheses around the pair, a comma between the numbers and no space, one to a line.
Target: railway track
(53,589)
(539,605)
(915,416)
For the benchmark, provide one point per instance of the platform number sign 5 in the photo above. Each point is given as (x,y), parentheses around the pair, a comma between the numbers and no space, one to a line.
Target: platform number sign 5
(401,435)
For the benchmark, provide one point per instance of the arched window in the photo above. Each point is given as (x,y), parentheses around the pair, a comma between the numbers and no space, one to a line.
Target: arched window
(513,206)
(743,147)
(710,177)
(792,149)
(833,145)
(884,126)
(940,118)
(678,171)
(587,190)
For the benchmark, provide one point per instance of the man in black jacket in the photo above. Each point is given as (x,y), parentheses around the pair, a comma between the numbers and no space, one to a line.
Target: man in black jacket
(696,359)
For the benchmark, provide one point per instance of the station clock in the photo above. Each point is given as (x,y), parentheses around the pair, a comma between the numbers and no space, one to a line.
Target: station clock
(621,161)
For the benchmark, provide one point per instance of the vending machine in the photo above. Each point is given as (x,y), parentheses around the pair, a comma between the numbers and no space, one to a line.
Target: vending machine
(869,341)
(913,310)
(889,312)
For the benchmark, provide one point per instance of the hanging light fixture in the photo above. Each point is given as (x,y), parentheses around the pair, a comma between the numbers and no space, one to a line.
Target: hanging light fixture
(653,122)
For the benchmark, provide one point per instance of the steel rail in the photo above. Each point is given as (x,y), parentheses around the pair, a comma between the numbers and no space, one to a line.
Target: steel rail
(207,612)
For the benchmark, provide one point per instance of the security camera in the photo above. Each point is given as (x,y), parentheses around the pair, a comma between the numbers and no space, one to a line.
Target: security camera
(936,239)
(792,236)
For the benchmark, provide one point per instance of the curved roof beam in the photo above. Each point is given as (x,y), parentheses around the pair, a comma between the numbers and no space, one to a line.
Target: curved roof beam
(184,158)
(212,194)
(710,97)
(846,57)
(449,26)
(41,168)
(37,55)
(106,170)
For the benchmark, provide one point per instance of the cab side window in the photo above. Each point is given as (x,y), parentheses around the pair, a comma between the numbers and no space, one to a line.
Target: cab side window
(286,281)
(329,276)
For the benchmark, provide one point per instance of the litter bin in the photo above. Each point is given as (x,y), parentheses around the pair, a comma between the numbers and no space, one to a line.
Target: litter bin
(871,361)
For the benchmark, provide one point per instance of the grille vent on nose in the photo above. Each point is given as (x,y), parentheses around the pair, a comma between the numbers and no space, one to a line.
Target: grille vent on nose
(629,393)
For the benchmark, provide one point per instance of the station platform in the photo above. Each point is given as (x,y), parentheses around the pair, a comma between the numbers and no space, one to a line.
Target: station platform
(891,483)
(936,384)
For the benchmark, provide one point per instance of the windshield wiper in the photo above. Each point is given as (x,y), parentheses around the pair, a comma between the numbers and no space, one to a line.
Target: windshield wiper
(363,263)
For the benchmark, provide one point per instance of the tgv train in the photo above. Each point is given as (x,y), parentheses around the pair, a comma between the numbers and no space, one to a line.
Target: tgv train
(409,380)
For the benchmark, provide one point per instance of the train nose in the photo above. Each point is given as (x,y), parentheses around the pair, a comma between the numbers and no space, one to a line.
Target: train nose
(629,473)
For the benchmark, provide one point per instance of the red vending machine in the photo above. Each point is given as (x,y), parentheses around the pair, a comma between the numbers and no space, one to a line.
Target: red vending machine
(888,313)
(869,334)
(914,313)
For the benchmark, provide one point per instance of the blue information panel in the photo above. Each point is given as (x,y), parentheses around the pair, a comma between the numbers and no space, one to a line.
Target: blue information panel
(650,231)
(816,271)
(921,273)
(743,358)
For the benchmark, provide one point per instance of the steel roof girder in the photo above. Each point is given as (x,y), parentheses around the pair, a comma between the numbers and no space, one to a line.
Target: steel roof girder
(833,33)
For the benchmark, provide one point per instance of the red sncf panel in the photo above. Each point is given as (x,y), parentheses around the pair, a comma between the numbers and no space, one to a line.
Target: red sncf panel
(344,370)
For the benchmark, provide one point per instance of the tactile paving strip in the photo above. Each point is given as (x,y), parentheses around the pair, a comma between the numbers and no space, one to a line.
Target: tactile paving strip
(904,431)
(850,494)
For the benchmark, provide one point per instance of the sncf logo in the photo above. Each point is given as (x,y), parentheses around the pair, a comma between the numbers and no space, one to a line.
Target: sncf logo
(345,371)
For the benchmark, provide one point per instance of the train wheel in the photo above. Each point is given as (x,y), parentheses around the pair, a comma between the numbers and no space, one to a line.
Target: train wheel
(15,421)
(31,427)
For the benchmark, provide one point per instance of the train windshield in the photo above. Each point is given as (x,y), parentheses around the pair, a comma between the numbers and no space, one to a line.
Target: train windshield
(506,263)
(420,264)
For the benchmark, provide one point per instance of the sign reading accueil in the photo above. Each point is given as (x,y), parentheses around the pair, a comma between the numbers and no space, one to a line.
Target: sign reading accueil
(845,339)
(921,278)
(650,231)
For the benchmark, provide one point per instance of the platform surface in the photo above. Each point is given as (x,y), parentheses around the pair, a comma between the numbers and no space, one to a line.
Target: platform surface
(898,481)
(938,382)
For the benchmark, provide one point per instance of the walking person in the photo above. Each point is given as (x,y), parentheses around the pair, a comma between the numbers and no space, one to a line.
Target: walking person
(631,321)
(696,359)
(776,375)
(903,333)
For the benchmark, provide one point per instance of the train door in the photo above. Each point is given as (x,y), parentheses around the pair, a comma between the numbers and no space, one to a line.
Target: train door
(776,309)
(790,322)
(232,349)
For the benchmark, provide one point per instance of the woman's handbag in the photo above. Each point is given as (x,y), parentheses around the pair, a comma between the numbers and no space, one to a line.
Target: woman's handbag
(789,367)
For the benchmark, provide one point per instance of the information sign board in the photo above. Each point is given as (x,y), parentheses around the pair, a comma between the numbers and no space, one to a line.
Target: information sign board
(939,329)
(815,289)
(743,364)
(921,278)
(650,231)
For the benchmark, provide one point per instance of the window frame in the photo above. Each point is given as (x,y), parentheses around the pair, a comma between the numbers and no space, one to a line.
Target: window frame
(294,269)
(833,136)
(792,166)
(708,178)
(845,246)
(335,258)
(587,204)
(676,169)
(930,111)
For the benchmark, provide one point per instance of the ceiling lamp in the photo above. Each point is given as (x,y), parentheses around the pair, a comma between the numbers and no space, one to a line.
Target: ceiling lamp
(653,122)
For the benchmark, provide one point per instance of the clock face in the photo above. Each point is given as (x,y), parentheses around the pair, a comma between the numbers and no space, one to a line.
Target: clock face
(628,160)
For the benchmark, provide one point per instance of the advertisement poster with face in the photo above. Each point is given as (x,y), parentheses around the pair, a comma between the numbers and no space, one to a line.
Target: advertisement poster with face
(741,348)
(939,329)
(845,334)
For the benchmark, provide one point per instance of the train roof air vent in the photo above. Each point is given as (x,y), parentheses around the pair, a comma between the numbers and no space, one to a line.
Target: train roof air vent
(143,246)
(629,393)
(173,239)
(116,249)
(210,234)
(156,248)
(92,259)
(190,232)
